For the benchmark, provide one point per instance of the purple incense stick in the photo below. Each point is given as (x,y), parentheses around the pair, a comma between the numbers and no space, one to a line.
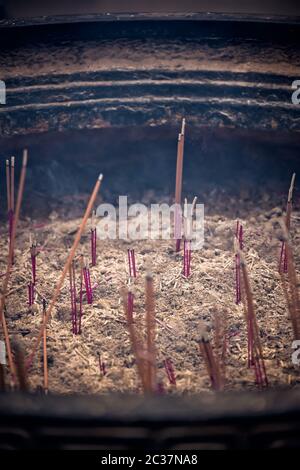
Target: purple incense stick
(33,262)
(30,294)
(187,255)
(73,299)
(239,236)
(80,301)
(88,287)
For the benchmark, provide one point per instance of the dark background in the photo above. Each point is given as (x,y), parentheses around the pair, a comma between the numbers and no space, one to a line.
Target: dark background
(27,8)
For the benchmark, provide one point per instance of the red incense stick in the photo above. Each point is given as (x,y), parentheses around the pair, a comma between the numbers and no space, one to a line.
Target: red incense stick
(30,293)
(187,255)
(45,355)
(73,297)
(239,237)
(93,241)
(10,214)
(33,254)
(94,246)
(12,198)
(130,300)
(131,262)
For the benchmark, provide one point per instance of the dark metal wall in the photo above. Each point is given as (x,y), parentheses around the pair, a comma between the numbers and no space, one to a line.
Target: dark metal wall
(20,8)
(145,72)
(260,420)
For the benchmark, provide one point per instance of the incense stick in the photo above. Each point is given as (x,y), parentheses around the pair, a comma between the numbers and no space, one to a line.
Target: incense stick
(211,362)
(12,196)
(239,237)
(290,286)
(73,297)
(187,256)
(131,262)
(150,328)
(9,266)
(80,294)
(135,344)
(45,355)
(170,371)
(9,202)
(93,240)
(33,259)
(87,282)
(30,294)
(283,264)
(255,352)
(71,255)
(8,186)
(12,183)
(220,340)
(178,185)
(130,305)
(102,365)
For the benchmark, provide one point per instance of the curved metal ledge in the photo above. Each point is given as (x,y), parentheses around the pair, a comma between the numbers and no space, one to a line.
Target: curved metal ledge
(89,76)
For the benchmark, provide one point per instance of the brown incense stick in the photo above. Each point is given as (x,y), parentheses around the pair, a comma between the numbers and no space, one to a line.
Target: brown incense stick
(45,355)
(220,339)
(289,203)
(9,266)
(135,343)
(19,202)
(211,362)
(290,286)
(178,181)
(8,186)
(252,325)
(150,328)
(65,271)
(179,165)
(283,255)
